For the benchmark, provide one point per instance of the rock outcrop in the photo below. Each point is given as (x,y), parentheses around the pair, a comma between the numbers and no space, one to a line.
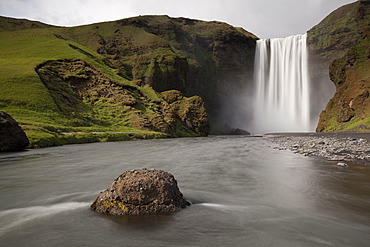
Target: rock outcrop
(12,137)
(349,109)
(88,96)
(141,192)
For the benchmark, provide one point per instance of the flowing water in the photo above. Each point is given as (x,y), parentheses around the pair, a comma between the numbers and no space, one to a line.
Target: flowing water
(244,193)
(281,100)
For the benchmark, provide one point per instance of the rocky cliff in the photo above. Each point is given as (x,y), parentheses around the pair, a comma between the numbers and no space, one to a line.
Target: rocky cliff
(349,109)
(339,31)
(147,76)
(210,59)
(87,96)
(341,42)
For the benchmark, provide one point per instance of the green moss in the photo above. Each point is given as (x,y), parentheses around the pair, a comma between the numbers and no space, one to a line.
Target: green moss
(356,124)
(331,125)
(181,130)
(361,49)
(110,204)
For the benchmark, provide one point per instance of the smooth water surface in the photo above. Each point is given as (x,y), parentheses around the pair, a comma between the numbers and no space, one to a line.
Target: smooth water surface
(244,193)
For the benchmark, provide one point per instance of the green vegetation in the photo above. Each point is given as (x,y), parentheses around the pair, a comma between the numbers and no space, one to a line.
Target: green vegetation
(42,68)
(349,109)
(100,82)
(356,124)
(341,40)
(194,57)
(340,30)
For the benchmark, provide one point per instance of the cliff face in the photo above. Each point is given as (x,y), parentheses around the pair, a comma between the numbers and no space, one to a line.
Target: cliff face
(340,48)
(87,96)
(339,31)
(349,109)
(210,59)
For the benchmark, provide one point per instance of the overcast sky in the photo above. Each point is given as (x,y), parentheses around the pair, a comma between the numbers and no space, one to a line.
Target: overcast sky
(265,18)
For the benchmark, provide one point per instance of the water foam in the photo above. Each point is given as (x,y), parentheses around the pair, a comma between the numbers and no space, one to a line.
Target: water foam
(221,206)
(13,218)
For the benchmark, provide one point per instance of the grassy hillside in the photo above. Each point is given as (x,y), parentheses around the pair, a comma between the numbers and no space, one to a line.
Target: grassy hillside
(25,45)
(340,30)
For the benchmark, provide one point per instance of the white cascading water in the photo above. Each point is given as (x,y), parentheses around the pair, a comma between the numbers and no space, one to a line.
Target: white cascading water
(281,101)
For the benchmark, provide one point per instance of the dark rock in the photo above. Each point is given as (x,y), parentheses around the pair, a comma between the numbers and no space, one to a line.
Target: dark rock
(12,137)
(238,132)
(141,192)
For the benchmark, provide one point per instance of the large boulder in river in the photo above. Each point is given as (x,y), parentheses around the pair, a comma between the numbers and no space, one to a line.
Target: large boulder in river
(140,192)
(12,137)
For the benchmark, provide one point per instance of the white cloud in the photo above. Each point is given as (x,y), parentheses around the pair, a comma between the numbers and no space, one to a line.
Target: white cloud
(266,18)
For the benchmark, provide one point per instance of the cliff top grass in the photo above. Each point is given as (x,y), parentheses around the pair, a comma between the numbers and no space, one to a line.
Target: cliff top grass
(11,24)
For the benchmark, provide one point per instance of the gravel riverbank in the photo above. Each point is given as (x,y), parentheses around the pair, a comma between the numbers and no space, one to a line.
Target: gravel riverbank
(339,147)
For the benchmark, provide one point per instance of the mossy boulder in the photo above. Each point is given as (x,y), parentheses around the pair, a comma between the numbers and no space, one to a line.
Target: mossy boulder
(140,192)
(12,137)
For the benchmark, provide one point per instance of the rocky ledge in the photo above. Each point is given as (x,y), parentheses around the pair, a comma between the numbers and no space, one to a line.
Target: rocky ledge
(141,192)
(333,148)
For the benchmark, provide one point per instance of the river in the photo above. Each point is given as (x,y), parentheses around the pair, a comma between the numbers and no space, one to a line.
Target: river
(244,193)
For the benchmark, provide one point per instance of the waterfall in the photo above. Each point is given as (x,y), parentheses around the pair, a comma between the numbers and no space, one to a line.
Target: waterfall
(281,96)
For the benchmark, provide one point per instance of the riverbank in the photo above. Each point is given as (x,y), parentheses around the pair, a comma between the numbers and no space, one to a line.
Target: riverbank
(354,147)
(66,138)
